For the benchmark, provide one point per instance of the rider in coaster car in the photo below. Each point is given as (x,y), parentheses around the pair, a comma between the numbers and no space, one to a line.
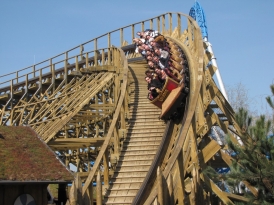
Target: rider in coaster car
(154,87)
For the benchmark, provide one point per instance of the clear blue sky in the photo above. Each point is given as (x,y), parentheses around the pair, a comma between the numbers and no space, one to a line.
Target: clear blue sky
(241,33)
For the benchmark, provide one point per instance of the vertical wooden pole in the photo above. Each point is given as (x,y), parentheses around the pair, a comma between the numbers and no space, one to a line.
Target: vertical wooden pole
(66,68)
(194,185)
(160,186)
(81,51)
(132,32)
(181,184)
(53,76)
(117,86)
(73,194)
(116,141)
(40,80)
(109,52)
(90,193)
(179,24)
(89,159)
(106,171)
(151,23)
(95,52)
(170,23)
(26,84)
(78,184)
(88,196)
(163,23)
(16,76)
(121,36)
(98,189)
(76,63)
(33,70)
(112,56)
(170,189)
(103,57)
(158,24)
(126,100)
(87,60)
(122,116)
(11,96)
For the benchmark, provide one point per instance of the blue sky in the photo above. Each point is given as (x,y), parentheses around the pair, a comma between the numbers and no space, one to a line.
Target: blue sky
(241,33)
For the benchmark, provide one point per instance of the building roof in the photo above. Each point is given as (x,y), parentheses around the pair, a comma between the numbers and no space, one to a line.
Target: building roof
(26,158)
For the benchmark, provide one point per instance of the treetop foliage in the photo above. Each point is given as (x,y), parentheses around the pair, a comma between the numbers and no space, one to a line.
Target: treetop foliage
(253,161)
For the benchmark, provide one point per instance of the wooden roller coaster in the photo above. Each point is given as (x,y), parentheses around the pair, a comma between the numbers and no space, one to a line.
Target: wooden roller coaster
(91,108)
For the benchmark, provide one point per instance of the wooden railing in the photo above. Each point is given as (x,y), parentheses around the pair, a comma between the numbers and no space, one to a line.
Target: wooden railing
(87,65)
(72,60)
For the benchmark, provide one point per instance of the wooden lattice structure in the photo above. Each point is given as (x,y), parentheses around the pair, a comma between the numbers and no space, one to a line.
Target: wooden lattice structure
(89,106)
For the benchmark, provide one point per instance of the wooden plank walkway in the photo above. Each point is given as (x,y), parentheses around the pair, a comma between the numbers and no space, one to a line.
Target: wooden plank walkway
(145,132)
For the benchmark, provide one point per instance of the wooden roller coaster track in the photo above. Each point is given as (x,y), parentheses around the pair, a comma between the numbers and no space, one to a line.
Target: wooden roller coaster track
(91,108)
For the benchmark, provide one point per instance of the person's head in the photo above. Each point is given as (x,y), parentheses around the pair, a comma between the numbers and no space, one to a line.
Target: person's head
(148,73)
(141,34)
(144,35)
(148,79)
(136,40)
(149,58)
(148,53)
(157,51)
(155,58)
(157,70)
(152,43)
(138,33)
(140,42)
(141,48)
(147,48)
(150,63)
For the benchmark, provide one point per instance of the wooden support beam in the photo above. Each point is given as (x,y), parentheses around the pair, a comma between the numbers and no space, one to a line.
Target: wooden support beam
(90,194)
(98,189)
(208,152)
(183,158)
(160,195)
(222,195)
(170,189)
(236,197)
(106,168)
(60,144)
(228,159)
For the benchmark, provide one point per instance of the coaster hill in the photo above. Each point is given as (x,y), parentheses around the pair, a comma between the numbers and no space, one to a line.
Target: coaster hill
(91,108)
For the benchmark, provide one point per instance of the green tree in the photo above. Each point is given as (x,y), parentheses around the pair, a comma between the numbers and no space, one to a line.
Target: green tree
(253,161)
(270,101)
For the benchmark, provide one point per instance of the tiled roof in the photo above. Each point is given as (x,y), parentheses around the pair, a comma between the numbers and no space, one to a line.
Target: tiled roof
(25,157)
